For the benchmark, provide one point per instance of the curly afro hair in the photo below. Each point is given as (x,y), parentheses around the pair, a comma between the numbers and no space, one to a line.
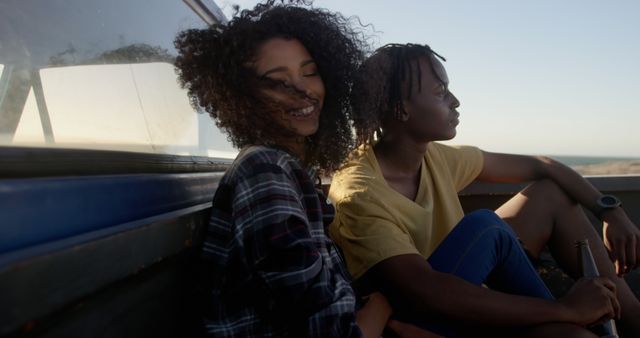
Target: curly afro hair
(379,83)
(212,66)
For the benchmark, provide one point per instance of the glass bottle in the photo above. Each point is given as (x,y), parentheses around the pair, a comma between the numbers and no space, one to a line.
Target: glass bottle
(589,269)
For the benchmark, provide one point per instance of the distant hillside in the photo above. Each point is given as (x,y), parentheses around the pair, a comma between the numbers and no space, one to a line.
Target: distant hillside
(592,165)
(609,168)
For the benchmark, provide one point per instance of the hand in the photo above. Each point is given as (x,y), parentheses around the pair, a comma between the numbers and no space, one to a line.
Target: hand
(622,240)
(592,300)
(405,330)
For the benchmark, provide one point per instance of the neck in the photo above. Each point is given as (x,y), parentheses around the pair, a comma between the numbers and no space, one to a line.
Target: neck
(400,154)
(296,146)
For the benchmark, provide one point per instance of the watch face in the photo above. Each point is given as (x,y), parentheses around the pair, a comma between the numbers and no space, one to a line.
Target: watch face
(608,201)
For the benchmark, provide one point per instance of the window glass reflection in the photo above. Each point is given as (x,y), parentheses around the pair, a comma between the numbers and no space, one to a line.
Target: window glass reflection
(29,131)
(99,74)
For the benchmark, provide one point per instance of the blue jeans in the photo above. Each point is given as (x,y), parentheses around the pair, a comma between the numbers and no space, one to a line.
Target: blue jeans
(482,248)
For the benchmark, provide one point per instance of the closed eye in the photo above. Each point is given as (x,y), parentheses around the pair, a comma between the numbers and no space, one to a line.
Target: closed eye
(271,81)
(309,68)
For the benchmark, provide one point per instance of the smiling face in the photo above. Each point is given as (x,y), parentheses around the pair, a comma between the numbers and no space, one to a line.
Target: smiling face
(431,110)
(298,95)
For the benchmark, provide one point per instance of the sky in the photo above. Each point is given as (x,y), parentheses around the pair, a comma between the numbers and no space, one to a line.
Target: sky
(533,77)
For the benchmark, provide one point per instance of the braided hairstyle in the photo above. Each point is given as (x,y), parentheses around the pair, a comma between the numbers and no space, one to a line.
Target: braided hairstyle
(213,66)
(390,71)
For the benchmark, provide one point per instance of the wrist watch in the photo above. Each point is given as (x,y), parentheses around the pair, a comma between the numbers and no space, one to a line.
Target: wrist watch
(605,203)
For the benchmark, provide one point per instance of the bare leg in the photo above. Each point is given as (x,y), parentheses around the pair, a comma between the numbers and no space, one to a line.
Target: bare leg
(542,214)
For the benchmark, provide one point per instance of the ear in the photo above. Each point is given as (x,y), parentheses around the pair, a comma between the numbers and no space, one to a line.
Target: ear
(401,113)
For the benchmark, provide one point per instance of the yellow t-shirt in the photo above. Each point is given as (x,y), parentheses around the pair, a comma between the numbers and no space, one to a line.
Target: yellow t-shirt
(374,222)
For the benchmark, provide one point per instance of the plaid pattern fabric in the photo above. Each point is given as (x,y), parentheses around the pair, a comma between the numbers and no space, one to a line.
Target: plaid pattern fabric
(274,272)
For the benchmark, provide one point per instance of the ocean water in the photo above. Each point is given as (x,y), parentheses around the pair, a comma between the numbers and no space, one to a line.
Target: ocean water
(585,160)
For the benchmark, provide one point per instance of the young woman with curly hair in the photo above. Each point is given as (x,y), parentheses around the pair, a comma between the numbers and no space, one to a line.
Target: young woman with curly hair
(218,67)
(402,229)
(277,78)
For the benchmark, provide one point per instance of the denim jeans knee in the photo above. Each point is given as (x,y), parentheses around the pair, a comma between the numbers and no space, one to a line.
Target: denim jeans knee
(483,220)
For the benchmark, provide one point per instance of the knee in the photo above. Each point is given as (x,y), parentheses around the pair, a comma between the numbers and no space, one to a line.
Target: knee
(549,191)
(484,215)
(485,220)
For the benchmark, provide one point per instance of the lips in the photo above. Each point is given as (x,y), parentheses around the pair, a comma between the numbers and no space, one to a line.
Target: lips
(302,112)
(455,121)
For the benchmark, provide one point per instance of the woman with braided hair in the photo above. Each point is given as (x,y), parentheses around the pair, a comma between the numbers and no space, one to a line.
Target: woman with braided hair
(402,229)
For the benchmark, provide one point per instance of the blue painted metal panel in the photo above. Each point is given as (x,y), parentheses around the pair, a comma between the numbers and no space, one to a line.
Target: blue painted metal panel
(35,211)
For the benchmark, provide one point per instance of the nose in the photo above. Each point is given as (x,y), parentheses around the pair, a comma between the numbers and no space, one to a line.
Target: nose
(301,87)
(454,101)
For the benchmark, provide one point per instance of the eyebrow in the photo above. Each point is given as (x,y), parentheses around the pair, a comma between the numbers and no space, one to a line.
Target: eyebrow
(284,69)
(445,85)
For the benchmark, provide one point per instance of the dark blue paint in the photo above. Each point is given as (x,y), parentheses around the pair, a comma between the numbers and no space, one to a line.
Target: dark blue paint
(36,211)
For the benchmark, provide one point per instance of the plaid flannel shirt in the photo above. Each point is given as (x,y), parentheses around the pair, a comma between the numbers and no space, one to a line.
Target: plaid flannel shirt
(274,272)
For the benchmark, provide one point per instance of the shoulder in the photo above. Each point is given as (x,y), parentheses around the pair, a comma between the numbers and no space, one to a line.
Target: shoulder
(263,154)
(453,152)
(261,170)
(461,163)
(261,159)
(357,177)
(438,147)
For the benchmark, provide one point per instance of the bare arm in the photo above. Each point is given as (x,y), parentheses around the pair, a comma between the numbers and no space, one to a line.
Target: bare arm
(410,279)
(521,168)
(622,237)
(373,316)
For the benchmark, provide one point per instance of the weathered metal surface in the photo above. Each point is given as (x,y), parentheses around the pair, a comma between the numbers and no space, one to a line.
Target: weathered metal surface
(64,280)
